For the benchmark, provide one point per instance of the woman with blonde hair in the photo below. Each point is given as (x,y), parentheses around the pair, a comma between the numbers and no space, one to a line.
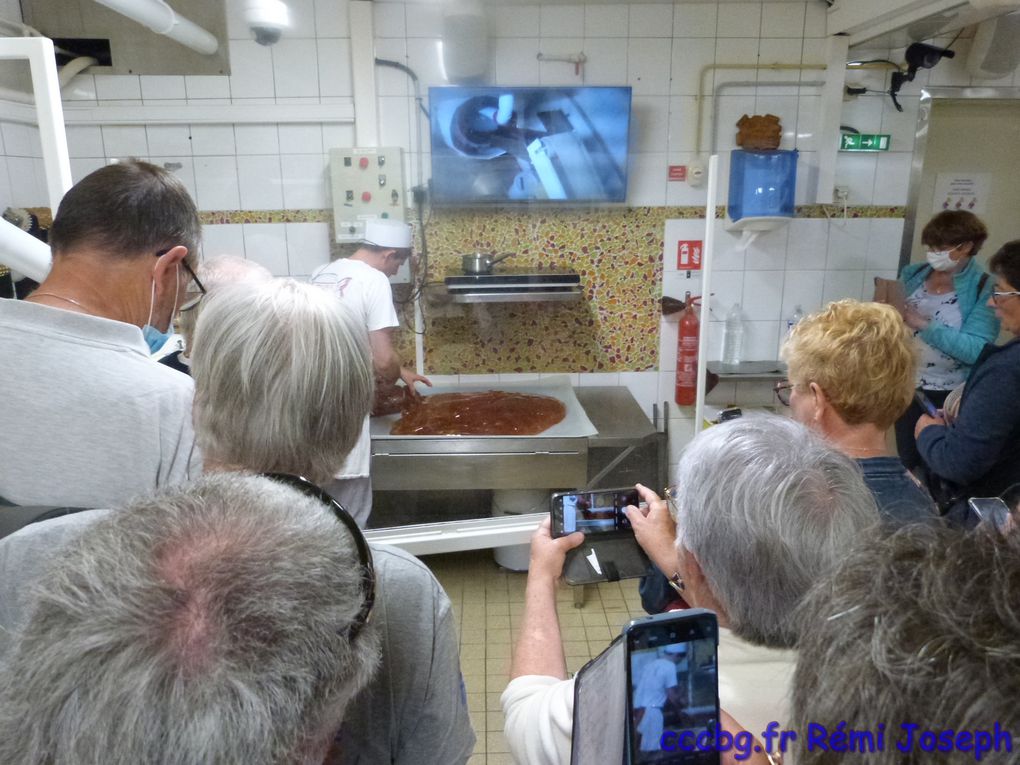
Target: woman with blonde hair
(851,376)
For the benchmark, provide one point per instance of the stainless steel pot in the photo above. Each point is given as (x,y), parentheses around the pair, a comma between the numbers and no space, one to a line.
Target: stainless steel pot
(478,263)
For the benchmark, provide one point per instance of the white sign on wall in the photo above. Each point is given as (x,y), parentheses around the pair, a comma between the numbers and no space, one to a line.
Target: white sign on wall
(962,191)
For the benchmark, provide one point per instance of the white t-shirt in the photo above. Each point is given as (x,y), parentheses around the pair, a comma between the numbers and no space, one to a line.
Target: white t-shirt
(754,687)
(366,292)
(89,420)
(656,678)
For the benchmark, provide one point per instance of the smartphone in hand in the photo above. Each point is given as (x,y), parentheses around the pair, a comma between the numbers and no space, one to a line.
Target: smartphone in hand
(926,404)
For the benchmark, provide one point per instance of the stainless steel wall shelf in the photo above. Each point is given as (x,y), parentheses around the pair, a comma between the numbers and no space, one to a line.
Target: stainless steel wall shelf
(507,287)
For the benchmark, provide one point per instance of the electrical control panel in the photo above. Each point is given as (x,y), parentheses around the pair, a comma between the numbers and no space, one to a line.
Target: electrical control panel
(367,183)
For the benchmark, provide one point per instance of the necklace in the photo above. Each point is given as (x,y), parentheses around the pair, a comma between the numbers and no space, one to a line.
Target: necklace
(862,452)
(59,297)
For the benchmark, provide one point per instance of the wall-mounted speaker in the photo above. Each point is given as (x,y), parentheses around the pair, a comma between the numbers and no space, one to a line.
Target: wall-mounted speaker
(996,49)
(465,45)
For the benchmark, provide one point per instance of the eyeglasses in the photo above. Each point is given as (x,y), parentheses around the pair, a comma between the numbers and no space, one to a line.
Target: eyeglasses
(783,389)
(191,302)
(309,489)
(998,297)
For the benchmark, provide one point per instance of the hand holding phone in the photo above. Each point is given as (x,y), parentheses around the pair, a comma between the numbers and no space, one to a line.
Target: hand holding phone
(672,685)
(548,554)
(654,530)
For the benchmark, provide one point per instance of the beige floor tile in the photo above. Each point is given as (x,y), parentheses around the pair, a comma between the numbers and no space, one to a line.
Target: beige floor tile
(573,633)
(497,635)
(474,683)
(495,742)
(472,651)
(494,722)
(476,702)
(497,651)
(492,701)
(477,759)
(473,635)
(593,618)
(500,758)
(575,648)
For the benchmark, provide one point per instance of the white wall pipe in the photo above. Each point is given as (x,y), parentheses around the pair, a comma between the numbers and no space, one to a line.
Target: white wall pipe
(22,252)
(366,109)
(49,110)
(161,19)
(73,68)
(707,256)
(830,109)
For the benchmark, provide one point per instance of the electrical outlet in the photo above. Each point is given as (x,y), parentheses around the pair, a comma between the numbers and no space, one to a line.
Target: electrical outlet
(840,194)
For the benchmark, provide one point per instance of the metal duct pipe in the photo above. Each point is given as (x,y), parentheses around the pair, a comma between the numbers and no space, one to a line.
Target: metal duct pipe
(160,18)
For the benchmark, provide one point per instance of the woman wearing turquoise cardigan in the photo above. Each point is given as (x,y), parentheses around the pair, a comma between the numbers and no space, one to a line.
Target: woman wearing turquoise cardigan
(947,308)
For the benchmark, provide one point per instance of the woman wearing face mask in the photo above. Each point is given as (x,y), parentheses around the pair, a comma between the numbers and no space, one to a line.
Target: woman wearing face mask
(977,453)
(947,308)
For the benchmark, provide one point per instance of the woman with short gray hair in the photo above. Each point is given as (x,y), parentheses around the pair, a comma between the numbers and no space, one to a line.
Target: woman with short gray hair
(283,379)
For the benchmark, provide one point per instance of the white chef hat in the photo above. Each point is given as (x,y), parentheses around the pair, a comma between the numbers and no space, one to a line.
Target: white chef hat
(675,648)
(382,232)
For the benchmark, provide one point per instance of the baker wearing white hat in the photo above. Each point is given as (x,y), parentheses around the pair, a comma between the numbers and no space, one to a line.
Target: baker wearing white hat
(360,282)
(657,686)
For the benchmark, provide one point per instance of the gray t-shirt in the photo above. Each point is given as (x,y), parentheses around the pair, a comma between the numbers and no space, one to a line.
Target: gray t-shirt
(89,420)
(414,712)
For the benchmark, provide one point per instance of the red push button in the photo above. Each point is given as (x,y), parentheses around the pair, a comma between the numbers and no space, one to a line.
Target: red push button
(366,196)
(363,163)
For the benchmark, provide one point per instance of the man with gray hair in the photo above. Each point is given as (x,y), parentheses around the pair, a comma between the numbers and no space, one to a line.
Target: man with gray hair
(910,651)
(763,509)
(90,420)
(222,622)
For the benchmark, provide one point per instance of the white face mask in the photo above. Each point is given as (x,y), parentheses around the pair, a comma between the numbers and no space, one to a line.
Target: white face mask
(941,260)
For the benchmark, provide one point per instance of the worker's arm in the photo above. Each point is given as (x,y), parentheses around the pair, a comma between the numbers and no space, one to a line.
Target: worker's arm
(385,362)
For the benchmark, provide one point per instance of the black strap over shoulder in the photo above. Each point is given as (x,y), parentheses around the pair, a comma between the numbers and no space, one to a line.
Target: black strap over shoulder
(14,517)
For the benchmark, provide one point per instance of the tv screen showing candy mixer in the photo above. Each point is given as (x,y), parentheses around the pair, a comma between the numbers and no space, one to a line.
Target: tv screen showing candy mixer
(551,144)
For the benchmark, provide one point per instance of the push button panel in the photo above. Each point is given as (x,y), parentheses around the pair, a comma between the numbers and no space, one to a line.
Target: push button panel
(367,183)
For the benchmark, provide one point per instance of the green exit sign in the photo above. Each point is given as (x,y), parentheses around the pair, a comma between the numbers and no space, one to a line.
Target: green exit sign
(864,142)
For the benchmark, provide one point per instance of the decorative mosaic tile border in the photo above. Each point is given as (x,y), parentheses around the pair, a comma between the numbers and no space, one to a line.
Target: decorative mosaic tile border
(218,217)
(617,251)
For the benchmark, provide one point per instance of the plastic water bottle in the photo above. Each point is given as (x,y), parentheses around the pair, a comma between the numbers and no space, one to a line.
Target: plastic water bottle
(794,320)
(733,339)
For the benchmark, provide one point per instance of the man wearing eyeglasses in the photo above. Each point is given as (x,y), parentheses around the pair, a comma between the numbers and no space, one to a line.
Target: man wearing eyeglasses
(90,419)
(361,283)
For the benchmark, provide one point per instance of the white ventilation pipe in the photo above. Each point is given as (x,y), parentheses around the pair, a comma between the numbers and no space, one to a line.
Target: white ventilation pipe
(160,18)
(22,252)
(73,68)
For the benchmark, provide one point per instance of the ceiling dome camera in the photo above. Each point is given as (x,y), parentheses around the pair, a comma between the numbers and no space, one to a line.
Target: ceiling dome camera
(267,19)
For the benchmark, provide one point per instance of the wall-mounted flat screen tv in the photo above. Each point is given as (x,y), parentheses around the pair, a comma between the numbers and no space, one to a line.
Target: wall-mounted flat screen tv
(552,144)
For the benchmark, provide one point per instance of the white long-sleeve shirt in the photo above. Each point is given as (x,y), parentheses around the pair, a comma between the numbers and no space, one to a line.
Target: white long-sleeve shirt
(754,687)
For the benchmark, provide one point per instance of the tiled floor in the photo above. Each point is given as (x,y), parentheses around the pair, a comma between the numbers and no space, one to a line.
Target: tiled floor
(488,602)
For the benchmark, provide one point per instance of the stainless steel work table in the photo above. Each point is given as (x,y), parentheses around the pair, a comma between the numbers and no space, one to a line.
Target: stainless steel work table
(452,463)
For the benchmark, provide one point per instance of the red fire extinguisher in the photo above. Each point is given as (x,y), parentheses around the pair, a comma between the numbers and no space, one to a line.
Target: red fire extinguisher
(687,353)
